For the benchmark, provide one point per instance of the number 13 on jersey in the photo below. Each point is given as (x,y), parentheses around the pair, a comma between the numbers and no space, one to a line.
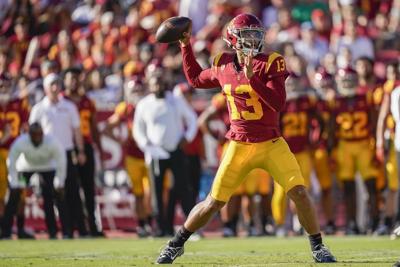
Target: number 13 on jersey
(251,103)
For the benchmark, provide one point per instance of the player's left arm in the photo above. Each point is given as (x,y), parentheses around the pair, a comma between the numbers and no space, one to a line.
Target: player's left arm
(272,93)
(94,129)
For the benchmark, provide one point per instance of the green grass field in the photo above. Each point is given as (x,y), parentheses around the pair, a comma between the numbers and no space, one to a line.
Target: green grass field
(350,251)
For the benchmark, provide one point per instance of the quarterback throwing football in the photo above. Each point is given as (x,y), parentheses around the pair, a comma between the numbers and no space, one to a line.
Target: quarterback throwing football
(254,86)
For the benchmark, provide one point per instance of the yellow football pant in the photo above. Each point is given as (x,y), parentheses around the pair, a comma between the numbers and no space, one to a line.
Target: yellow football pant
(137,172)
(273,156)
(353,156)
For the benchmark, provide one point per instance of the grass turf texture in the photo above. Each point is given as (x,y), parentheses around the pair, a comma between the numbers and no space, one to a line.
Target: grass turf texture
(350,251)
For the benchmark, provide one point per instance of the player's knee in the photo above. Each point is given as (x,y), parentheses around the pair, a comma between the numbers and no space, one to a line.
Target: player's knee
(298,194)
(213,205)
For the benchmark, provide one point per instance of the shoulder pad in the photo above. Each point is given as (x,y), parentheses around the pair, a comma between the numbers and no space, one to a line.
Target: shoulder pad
(378,95)
(388,86)
(217,60)
(222,59)
(270,60)
(120,109)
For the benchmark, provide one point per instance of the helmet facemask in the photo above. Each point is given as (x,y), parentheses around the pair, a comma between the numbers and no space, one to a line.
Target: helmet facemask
(248,40)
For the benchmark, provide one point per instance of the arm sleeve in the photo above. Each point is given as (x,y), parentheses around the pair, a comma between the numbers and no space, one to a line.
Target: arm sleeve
(61,161)
(190,119)
(272,93)
(139,128)
(196,76)
(15,152)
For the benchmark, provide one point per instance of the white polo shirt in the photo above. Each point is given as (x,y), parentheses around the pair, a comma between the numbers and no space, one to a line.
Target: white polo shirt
(58,120)
(163,122)
(25,157)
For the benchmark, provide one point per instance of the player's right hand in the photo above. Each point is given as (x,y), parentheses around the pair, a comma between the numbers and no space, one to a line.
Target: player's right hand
(186,39)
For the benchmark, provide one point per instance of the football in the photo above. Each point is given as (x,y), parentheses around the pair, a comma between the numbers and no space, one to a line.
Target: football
(172,29)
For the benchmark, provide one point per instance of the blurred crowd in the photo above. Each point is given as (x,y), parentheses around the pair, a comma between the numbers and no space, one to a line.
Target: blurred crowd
(111,47)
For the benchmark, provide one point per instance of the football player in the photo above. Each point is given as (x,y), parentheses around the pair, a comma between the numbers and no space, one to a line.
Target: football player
(254,86)
(87,112)
(353,117)
(385,150)
(15,113)
(135,166)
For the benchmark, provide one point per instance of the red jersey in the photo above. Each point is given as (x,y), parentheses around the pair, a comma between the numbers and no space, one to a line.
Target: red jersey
(352,116)
(254,104)
(16,114)
(125,113)
(86,108)
(296,121)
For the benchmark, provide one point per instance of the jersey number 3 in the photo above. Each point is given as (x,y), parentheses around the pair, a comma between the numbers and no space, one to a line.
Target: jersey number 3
(253,102)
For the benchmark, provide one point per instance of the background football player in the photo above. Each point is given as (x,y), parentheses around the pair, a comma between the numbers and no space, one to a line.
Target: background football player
(135,166)
(87,111)
(353,117)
